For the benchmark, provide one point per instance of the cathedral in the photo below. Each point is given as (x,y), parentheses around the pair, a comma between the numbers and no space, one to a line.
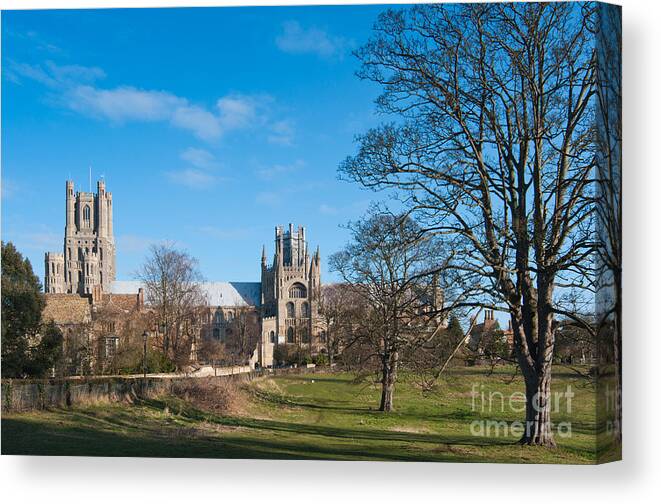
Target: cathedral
(88,257)
(290,290)
(285,302)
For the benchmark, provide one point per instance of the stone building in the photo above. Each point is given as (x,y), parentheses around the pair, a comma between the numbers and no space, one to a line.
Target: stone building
(88,257)
(290,288)
(94,325)
(483,333)
(285,302)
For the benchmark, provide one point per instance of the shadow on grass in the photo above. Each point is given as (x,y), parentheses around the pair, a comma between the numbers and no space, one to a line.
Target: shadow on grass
(25,437)
(328,431)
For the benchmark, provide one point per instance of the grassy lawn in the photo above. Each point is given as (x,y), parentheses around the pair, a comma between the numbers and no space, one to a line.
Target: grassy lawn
(318,416)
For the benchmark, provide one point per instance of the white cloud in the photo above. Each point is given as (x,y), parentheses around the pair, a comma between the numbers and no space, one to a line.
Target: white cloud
(271,172)
(74,87)
(298,40)
(201,122)
(237,111)
(199,158)
(202,174)
(75,73)
(193,178)
(55,76)
(123,104)
(282,132)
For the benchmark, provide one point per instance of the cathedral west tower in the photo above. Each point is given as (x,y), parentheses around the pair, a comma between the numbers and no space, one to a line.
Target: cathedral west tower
(88,258)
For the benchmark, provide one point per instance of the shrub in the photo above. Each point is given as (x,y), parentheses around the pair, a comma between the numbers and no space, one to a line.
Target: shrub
(320,360)
(208,393)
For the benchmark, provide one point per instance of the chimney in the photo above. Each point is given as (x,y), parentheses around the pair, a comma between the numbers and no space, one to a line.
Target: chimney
(141,298)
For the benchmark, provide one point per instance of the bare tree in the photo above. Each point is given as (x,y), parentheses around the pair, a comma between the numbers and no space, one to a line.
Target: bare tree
(389,265)
(493,148)
(339,310)
(242,334)
(172,289)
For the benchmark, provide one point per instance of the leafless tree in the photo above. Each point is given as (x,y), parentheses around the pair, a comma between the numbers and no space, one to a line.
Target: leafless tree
(391,267)
(339,310)
(213,351)
(172,289)
(242,335)
(492,146)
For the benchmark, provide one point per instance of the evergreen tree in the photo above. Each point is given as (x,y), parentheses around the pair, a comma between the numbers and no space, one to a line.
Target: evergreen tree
(455,332)
(27,350)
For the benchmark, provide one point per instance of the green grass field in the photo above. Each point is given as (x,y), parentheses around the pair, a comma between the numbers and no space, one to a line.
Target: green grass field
(317,416)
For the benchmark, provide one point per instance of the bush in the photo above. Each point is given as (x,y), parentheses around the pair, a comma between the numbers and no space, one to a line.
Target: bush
(129,361)
(320,360)
(208,393)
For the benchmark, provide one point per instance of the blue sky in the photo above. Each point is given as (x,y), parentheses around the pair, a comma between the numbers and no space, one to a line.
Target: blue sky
(210,126)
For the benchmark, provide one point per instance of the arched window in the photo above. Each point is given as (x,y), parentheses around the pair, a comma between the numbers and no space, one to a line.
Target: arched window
(305,335)
(86,215)
(297,290)
(305,310)
(272,337)
(291,310)
(290,335)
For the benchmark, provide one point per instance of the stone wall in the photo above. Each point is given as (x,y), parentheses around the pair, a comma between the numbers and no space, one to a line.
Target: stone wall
(24,395)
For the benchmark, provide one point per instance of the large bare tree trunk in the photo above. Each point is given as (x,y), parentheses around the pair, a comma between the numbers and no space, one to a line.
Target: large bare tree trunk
(389,377)
(534,350)
(538,410)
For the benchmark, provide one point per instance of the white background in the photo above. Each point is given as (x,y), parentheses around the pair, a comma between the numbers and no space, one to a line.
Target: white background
(637,478)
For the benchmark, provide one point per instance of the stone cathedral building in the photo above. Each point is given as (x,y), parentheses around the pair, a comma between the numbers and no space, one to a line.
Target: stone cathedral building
(285,302)
(88,257)
(290,290)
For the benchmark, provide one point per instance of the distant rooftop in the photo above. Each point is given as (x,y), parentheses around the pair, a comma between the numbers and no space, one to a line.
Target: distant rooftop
(217,293)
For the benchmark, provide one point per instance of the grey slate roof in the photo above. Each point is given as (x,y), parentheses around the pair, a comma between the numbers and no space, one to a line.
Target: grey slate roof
(217,293)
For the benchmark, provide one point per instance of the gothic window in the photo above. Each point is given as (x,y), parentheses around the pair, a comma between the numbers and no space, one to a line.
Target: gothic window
(322,336)
(305,310)
(216,333)
(272,337)
(305,335)
(297,290)
(111,344)
(291,311)
(290,335)
(86,215)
